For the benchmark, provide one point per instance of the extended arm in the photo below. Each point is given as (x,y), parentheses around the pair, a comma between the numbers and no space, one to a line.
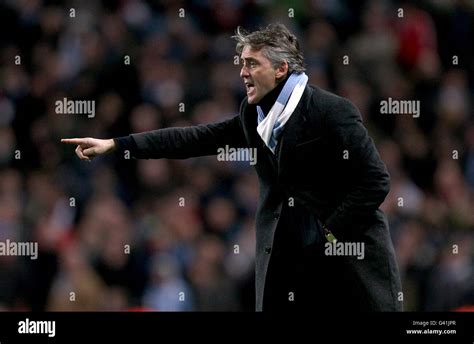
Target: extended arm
(173,143)
(186,142)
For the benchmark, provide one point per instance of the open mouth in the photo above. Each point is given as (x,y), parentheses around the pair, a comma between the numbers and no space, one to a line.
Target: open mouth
(249,87)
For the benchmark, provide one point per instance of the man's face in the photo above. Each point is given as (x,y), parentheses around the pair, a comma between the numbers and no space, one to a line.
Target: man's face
(258,74)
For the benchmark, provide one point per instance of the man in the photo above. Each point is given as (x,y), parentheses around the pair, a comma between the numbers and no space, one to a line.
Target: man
(321,183)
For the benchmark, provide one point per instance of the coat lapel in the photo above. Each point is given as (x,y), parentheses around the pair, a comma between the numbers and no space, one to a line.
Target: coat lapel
(293,130)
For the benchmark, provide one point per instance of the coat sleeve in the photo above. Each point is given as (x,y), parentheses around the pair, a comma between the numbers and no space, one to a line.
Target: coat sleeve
(187,142)
(371,181)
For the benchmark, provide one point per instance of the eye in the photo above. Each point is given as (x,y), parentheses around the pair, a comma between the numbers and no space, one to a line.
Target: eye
(248,64)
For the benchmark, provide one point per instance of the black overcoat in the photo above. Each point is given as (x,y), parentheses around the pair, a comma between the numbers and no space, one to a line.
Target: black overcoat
(328,164)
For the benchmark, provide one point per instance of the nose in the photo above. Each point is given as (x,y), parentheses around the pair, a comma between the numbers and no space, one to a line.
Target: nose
(244,72)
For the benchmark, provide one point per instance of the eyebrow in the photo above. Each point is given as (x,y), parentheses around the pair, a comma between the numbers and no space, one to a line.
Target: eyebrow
(249,59)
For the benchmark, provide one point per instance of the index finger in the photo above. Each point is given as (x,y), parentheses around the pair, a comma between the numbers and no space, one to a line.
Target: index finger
(74,141)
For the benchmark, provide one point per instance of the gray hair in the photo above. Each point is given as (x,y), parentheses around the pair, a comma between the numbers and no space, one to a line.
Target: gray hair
(278,44)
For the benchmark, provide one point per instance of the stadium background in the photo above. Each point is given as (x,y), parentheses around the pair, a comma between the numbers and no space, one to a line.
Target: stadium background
(82,214)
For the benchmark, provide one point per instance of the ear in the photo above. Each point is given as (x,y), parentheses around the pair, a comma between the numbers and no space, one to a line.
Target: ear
(282,70)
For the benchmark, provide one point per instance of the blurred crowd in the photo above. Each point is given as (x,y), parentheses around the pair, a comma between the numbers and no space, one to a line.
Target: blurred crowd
(118,234)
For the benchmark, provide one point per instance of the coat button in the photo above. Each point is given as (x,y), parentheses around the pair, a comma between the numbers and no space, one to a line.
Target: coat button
(268,250)
(276,216)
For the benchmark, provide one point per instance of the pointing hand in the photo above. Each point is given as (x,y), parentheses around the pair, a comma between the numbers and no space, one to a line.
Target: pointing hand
(88,147)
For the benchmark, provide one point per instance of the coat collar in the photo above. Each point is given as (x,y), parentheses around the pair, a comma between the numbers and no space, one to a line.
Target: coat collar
(292,132)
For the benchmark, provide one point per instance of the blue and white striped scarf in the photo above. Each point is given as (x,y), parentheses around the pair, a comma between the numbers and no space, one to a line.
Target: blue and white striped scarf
(271,126)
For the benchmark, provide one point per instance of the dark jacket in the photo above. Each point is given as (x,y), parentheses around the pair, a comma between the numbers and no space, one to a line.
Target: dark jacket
(328,164)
